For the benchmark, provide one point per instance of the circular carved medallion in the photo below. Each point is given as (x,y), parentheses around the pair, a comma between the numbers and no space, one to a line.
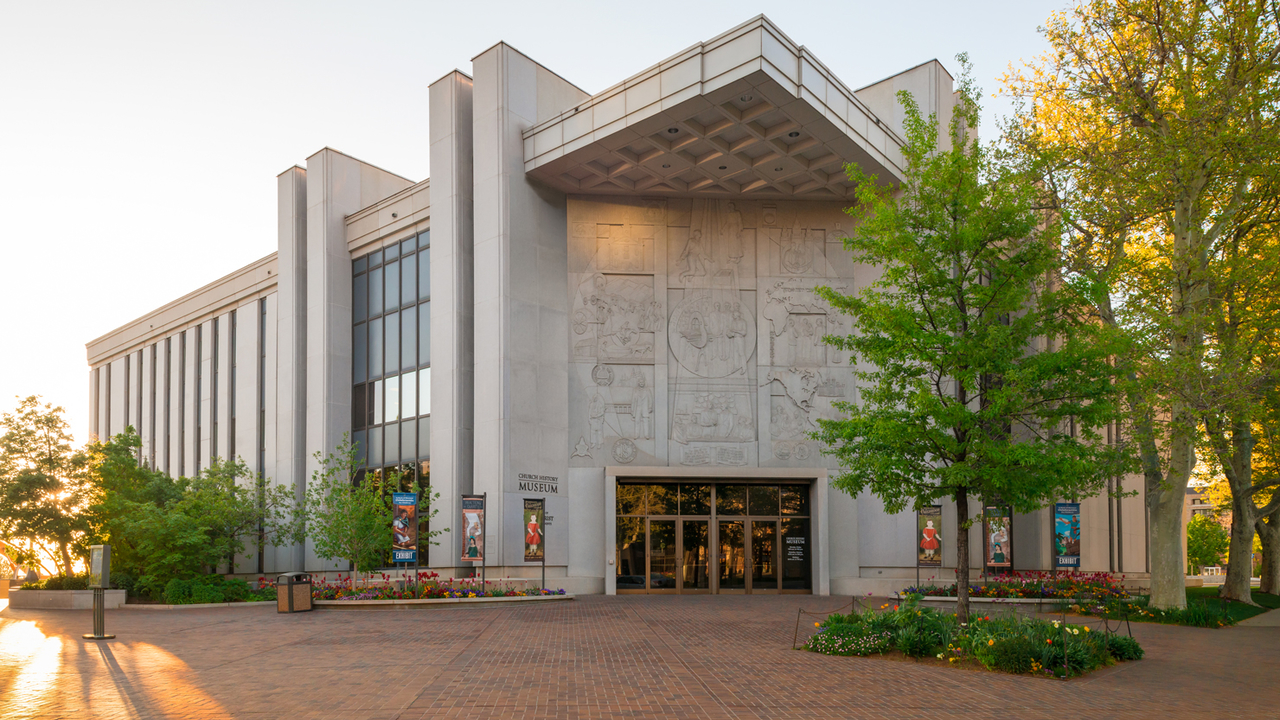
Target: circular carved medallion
(712,333)
(624,451)
(800,451)
(602,374)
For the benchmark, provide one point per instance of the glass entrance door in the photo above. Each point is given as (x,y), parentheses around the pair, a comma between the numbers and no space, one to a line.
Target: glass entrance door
(662,555)
(764,556)
(710,537)
(733,557)
(695,566)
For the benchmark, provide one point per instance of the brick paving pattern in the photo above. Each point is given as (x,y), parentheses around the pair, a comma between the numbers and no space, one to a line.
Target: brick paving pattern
(623,657)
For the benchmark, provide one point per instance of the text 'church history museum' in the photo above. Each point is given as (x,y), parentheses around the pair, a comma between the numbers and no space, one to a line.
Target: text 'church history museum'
(606,301)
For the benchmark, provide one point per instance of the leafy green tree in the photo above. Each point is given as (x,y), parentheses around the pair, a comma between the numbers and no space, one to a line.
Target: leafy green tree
(44,489)
(162,528)
(983,376)
(1207,540)
(1154,122)
(234,504)
(349,519)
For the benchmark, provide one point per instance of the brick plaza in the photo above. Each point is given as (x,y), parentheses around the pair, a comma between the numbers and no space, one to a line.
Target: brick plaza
(596,656)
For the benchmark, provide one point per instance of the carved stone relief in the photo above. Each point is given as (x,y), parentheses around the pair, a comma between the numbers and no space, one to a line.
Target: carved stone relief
(797,320)
(615,317)
(617,414)
(797,398)
(695,332)
(712,334)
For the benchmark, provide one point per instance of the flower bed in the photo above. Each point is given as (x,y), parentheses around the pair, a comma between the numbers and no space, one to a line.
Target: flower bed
(428,587)
(1008,644)
(1034,585)
(1197,613)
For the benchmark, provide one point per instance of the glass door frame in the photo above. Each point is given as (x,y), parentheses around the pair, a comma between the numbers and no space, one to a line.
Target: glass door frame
(713,520)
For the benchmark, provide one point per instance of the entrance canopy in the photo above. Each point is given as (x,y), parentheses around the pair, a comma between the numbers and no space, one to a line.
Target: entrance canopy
(748,113)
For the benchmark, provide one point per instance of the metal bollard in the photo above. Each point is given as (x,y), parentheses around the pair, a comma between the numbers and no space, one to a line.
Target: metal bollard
(99,580)
(99,616)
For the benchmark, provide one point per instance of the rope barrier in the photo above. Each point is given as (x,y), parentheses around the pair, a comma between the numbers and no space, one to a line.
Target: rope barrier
(800,611)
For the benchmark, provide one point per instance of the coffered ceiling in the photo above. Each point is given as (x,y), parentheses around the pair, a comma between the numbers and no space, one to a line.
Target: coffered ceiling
(748,113)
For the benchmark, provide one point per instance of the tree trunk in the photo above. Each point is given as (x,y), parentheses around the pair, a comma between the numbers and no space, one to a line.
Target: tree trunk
(1164,504)
(1269,531)
(1240,558)
(65,552)
(962,556)
(1168,578)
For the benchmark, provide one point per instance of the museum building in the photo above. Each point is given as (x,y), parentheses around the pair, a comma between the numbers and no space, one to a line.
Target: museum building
(602,300)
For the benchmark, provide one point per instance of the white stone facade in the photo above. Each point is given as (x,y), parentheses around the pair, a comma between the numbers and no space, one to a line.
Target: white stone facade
(620,289)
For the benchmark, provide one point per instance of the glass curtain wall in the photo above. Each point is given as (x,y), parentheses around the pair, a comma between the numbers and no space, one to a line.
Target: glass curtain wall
(391,365)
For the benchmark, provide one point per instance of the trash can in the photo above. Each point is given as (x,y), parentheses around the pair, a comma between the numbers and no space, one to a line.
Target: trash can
(293,592)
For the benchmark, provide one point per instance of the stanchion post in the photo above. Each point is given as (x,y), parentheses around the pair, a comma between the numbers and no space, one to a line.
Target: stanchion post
(99,580)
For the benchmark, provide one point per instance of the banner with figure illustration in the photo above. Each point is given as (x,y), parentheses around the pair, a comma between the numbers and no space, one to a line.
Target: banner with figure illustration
(1066,535)
(997,537)
(534,536)
(929,536)
(473,528)
(404,527)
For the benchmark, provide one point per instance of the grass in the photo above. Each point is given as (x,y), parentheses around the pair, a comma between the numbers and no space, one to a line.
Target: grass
(1237,611)
(1204,609)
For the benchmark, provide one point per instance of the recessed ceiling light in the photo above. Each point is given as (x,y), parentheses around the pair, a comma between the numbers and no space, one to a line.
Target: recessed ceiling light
(673,131)
(748,98)
(794,133)
(724,167)
(777,169)
(666,165)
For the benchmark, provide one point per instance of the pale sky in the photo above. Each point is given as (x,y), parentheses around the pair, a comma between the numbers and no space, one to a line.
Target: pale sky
(140,141)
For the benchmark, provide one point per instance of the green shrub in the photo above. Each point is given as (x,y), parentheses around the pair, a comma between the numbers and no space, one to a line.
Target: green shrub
(235,590)
(62,582)
(1082,656)
(126,582)
(206,593)
(1012,654)
(177,591)
(1201,614)
(1123,647)
(916,641)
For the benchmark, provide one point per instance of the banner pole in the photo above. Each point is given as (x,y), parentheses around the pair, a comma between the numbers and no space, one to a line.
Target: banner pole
(544,546)
(484,556)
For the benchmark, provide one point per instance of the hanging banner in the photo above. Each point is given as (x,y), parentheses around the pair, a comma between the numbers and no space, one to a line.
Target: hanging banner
(1066,534)
(534,517)
(472,528)
(929,536)
(997,537)
(404,527)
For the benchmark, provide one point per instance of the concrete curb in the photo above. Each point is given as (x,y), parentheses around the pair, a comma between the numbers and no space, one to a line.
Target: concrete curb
(995,601)
(435,602)
(196,606)
(62,599)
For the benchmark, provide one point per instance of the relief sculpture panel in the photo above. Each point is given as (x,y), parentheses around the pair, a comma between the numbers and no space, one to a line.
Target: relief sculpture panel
(613,416)
(696,336)
(615,318)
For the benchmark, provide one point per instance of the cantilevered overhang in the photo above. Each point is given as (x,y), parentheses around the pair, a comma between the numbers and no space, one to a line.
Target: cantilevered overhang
(748,113)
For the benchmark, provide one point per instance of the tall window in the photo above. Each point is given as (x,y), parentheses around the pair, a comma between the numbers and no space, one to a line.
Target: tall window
(391,363)
(231,393)
(213,396)
(391,353)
